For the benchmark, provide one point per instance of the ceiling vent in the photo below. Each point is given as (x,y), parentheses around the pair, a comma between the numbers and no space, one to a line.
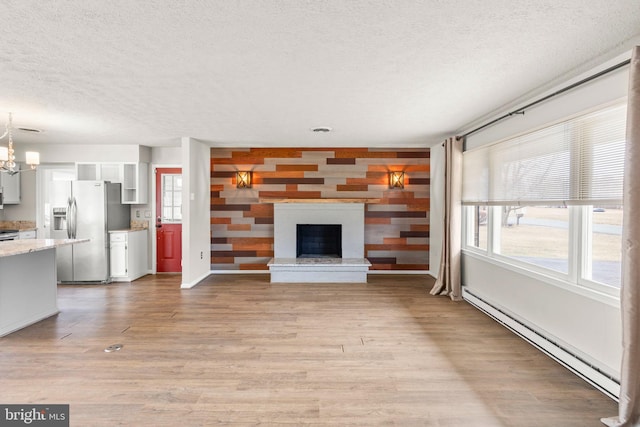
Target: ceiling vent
(30,130)
(322,129)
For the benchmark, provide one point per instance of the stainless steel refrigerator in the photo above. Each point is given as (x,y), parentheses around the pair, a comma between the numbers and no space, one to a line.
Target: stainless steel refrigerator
(85,210)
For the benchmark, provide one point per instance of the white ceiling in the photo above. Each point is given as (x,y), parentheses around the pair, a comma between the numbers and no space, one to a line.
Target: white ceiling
(387,73)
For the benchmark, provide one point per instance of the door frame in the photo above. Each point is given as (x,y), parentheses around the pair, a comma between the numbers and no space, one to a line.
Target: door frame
(152,220)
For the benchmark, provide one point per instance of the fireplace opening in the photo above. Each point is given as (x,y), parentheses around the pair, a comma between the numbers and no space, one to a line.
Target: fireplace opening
(319,240)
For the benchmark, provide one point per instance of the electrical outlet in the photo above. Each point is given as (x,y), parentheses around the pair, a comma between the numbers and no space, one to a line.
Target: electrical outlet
(137,213)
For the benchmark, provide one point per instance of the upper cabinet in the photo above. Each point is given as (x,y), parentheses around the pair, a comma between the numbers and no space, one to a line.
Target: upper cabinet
(10,188)
(135,180)
(132,176)
(99,172)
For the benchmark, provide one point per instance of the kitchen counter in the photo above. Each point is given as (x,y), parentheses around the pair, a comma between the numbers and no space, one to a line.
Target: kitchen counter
(28,284)
(19,247)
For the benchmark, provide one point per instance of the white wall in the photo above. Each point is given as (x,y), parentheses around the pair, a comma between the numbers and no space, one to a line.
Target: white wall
(583,321)
(68,153)
(196,171)
(588,325)
(166,155)
(26,210)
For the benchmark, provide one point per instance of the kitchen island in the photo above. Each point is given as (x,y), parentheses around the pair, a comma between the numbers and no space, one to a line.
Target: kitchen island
(28,282)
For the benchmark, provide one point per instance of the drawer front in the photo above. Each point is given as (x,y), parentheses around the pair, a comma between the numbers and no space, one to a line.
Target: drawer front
(118,237)
(31,234)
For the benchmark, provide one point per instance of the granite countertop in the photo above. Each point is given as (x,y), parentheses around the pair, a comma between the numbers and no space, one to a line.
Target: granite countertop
(19,247)
(20,225)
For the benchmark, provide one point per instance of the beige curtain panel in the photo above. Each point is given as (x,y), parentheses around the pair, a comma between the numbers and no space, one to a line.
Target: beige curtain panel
(629,404)
(448,282)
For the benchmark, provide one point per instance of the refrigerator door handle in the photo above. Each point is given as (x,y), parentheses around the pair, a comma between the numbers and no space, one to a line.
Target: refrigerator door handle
(68,218)
(75,217)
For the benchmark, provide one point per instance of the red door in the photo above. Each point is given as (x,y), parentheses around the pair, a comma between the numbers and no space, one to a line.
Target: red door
(168,220)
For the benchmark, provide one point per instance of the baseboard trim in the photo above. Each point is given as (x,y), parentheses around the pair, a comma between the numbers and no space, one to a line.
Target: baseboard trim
(591,374)
(239,272)
(415,272)
(194,282)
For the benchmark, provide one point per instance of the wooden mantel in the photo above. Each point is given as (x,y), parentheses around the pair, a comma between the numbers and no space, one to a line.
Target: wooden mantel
(285,200)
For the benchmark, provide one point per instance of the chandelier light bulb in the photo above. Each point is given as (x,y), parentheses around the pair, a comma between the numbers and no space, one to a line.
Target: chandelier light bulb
(7,154)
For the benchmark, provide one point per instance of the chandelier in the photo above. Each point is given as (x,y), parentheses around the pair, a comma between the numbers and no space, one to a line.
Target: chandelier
(8,158)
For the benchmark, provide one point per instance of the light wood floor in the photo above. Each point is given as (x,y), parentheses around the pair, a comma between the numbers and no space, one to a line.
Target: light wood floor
(236,350)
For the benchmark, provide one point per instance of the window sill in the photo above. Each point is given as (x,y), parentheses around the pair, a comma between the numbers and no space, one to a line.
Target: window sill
(608,296)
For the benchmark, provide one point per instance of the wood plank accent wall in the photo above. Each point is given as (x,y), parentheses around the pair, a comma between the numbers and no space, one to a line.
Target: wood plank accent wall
(396,230)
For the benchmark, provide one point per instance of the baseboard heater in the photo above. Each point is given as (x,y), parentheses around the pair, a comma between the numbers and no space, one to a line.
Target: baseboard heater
(585,370)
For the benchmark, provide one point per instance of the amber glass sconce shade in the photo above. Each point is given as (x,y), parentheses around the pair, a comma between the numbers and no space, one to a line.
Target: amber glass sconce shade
(396,180)
(243,179)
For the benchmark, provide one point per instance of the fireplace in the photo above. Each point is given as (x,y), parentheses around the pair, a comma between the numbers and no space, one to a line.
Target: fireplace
(348,216)
(318,241)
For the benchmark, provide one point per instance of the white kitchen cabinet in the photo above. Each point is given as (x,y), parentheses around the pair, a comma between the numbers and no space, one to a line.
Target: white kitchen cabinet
(118,255)
(128,254)
(87,171)
(27,234)
(10,188)
(110,172)
(99,172)
(133,177)
(135,180)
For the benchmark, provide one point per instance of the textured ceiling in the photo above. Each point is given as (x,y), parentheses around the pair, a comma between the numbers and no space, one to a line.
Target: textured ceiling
(260,73)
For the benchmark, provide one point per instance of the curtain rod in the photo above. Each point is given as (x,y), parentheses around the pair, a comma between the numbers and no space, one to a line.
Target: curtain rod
(520,110)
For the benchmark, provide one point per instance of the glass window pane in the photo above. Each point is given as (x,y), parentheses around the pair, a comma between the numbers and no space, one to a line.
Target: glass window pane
(177,214)
(166,214)
(167,182)
(537,235)
(606,245)
(177,199)
(177,182)
(477,226)
(167,198)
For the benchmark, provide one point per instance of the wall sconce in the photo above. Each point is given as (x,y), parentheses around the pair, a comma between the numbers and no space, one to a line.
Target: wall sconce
(396,180)
(243,179)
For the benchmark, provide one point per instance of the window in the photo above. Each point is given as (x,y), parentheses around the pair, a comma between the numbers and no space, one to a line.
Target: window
(554,198)
(171,198)
(536,235)
(476,235)
(604,257)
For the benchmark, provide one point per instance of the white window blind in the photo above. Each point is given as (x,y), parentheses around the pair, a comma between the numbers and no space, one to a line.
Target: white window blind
(578,161)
